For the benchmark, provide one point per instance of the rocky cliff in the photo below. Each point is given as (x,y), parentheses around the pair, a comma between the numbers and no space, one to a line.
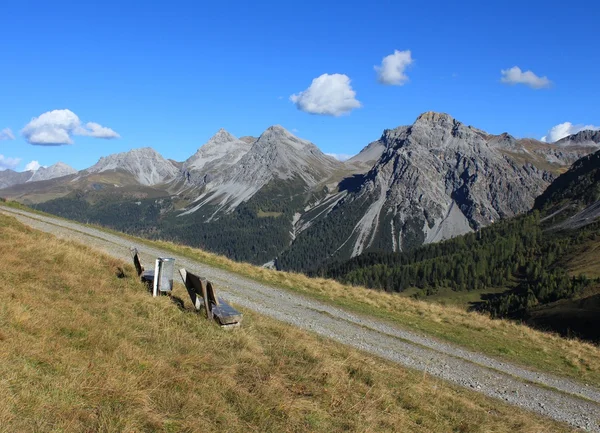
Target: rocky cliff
(434,180)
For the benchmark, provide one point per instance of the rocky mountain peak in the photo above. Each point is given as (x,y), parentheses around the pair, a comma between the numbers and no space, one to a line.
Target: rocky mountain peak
(146,152)
(433,117)
(276,132)
(147,165)
(277,129)
(220,151)
(277,136)
(434,180)
(62,165)
(222,136)
(588,138)
(434,130)
(504,141)
(275,155)
(9,177)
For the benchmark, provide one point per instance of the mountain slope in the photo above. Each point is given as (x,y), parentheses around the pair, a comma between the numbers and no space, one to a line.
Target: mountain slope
(368,156)
(275,156)
(248,211)
(235,197)
(573,199)
(436,179)
(540,271)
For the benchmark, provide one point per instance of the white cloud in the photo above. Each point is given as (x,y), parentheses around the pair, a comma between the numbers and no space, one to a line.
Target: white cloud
(96,130)
(6,134)
(563,130)
(328,94)
(340,156)
(393,67)
(514,75)
(7,162)
(32,166)
(56,127)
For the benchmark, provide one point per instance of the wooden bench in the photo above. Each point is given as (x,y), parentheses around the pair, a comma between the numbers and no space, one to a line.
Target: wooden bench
(147,277)
(204,295)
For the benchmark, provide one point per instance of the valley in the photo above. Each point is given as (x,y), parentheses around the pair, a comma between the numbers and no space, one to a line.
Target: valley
(278,198)
(376,220)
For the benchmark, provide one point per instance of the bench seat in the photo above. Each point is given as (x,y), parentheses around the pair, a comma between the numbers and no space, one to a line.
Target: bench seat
(225,314)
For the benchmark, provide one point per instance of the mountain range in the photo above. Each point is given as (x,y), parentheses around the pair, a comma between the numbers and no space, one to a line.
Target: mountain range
(10,178)
(279,199)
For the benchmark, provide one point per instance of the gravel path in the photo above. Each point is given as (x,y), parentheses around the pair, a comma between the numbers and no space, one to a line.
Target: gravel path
(552,396)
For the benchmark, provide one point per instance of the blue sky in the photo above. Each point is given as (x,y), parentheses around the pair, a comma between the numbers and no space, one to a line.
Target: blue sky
(170,74)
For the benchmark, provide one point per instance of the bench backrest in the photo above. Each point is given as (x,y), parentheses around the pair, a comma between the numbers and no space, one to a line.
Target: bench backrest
(136,262)
(214,307)
(196,288)
(211,293)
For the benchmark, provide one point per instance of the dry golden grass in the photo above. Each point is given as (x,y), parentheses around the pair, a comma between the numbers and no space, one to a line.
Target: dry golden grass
(504,339)
(84,350)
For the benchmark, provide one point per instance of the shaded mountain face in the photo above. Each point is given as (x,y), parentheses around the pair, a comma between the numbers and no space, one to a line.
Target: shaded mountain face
(573,199)
(146,165)
(435,180)
(57,170)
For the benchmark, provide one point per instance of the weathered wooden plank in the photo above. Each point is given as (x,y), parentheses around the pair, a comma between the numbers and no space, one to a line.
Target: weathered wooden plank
(196,289)
(147,277)
(211,293)
(136,262)
(196,300)
(225,314)
(156,279)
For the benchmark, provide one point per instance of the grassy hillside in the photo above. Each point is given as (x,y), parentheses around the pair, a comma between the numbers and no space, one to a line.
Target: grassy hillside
(508,340)
(85,348)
